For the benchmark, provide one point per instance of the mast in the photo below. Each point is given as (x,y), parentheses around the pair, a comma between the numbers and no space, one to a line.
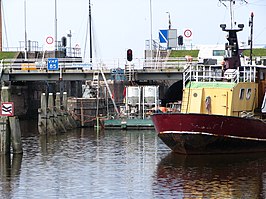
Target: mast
(90,31)
(231,4)
(250,41)
(1,33)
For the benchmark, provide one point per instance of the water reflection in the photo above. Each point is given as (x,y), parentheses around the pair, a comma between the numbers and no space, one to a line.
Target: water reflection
(84,164)
(10,168)
(215,176)
(124,164)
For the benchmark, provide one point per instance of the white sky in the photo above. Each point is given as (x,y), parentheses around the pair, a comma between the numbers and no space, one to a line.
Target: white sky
(122,24)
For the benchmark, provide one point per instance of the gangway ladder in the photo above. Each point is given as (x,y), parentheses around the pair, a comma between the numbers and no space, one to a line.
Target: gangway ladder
(129,71)
(109,91)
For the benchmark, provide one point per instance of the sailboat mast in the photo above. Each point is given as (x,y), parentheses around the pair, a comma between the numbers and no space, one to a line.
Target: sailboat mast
(90,31)
(1,33)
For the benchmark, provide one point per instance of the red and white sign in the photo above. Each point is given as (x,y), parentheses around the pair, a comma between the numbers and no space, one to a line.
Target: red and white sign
(49,43)
(7,109)
(188,33)
(49,40)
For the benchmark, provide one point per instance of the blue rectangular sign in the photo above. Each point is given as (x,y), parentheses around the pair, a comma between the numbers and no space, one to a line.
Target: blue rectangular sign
(163,36)
(52,64)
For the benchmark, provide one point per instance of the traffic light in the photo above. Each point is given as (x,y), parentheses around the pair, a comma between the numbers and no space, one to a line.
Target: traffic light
(180,40)
(129,55)
(64,41)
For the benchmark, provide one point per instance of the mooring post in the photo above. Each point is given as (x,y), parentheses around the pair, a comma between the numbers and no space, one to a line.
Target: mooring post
(15,134)
(70,120)
(42,115)
(52,124)
(4,124)
(58,113)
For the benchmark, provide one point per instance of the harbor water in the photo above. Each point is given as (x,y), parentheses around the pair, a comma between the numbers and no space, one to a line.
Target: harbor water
(124,164)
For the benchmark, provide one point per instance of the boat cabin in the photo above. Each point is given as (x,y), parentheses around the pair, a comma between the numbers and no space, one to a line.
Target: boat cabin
(210,90)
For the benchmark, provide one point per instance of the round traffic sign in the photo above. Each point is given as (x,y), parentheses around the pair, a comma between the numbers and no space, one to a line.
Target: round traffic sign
(49,40)
(187,33)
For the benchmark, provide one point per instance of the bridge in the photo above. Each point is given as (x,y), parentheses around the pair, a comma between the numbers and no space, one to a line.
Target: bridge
(145,70)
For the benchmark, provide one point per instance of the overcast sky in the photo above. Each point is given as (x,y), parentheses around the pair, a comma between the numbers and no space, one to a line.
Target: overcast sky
(122,24)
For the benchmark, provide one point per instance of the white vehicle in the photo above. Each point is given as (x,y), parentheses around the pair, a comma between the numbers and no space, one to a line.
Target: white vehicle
(211,54)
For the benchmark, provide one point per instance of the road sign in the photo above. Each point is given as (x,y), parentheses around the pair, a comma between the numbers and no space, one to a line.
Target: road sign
(7,109)
(49,40)
(52,64)
(188,33)
(163,36)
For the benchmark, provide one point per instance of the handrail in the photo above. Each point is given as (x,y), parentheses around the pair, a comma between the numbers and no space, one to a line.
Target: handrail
(200,73)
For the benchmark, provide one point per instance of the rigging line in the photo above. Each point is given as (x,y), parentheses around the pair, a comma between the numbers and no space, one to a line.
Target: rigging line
(86,37)
(258,35)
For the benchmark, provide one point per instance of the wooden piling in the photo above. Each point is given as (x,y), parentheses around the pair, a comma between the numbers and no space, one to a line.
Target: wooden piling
(52,126)
(15,134)
(4,124)
(58,114)
(4,136)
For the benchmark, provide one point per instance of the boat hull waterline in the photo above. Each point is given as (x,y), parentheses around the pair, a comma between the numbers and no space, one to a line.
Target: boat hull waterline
(210,134)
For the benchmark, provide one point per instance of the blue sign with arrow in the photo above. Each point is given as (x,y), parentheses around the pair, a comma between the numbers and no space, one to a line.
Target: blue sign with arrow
(52,64)
(163,36)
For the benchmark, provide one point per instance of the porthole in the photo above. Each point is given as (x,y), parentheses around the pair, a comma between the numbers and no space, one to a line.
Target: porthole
(241,93)
(248,94)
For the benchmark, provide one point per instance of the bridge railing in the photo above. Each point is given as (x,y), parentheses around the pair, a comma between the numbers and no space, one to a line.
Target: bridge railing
(79,64)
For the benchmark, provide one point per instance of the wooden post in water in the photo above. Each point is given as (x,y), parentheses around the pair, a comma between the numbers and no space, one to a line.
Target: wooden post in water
(42,115)
(52,124)
(4,124)
(58,114)
(15,134)
(69,118)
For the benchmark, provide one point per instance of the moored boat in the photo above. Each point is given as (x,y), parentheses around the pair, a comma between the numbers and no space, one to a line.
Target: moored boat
(222,107)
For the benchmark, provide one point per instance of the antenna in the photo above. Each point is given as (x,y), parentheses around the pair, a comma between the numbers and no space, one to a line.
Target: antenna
(231,4)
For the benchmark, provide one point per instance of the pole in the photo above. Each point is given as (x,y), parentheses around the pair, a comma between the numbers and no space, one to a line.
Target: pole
(251,36)
(90,31)
(1,32)
(55,24)
(151,30)
(25,23)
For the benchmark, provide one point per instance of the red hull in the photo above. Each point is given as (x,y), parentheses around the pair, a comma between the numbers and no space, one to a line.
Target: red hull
(205,134)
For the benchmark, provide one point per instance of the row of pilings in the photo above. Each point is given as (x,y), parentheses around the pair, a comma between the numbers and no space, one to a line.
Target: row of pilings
(10,133)
(53,117)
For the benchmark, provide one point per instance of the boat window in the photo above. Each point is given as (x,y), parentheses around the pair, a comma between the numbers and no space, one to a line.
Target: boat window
(241,93)
(218,52)
(248,94)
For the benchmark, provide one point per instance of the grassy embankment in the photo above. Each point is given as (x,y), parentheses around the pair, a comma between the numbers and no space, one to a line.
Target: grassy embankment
(8,55)
(257,52)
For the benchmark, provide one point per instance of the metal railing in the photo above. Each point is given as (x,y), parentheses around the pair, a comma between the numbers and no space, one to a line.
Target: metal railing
(216,73)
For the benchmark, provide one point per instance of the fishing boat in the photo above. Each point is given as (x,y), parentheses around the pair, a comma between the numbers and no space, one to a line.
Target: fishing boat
(223,106)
